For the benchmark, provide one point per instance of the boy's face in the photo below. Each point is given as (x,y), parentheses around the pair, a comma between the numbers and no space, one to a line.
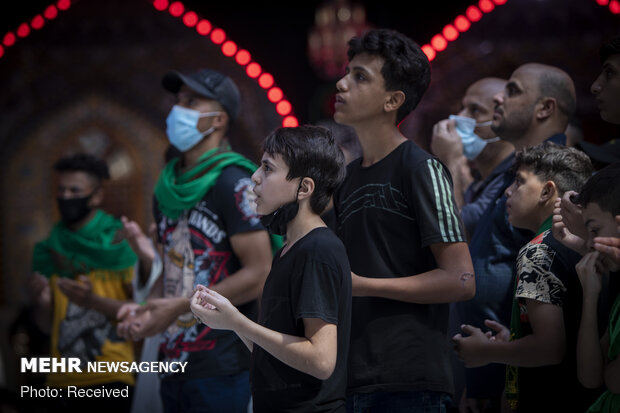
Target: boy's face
(361,91)
(523,201)
(272,189)
(599,223)
(606,90)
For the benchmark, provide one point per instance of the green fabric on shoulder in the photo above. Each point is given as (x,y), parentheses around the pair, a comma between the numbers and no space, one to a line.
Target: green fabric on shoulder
(96,245)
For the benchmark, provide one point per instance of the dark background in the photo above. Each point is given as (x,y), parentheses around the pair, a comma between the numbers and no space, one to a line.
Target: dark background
(90,80)
(276,32)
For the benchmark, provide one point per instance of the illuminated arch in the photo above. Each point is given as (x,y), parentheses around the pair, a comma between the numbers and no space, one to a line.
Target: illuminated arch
(473,14)
(283,107)
(192,20)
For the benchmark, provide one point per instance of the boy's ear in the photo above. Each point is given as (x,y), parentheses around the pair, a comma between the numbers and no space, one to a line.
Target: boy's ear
(306,188)
(394,100)
(548,192)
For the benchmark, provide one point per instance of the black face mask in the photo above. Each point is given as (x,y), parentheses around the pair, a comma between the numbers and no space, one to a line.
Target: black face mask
(276,221)
(73,210)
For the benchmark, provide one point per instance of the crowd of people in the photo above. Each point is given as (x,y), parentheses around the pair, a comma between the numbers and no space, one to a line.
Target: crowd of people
(351,270)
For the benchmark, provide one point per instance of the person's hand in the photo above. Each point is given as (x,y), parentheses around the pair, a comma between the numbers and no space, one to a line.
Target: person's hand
(80,292)
(590,274)
(138,240)
(572,215)
(560,229)
(610,246)
(446,143)
(214,310)
(502,333)
(131,317)
(140,321)
(471,349)
(39,290)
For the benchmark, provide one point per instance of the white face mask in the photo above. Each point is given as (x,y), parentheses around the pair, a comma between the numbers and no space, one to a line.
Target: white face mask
(472,143)
(182,127)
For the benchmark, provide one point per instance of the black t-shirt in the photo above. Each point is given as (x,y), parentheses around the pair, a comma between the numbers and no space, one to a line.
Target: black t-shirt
(388,216)
(312,280)
(197,250)
(546,273)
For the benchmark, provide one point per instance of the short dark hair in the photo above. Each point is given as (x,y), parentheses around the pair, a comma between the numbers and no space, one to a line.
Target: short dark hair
(310,151)
(568,168)
(82,162)
(603,188)
(405,66)
(609,48)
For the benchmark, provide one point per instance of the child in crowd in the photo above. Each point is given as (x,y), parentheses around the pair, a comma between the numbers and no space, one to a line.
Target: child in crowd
(597,362)
(539,348)
(301,342)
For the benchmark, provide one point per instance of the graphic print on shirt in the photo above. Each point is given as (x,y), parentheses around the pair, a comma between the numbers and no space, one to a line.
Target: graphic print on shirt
(377,196)
(392,200)
(82,333)
(244,199)
(191,259)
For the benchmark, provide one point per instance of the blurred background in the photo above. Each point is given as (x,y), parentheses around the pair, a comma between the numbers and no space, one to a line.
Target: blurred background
(85,75)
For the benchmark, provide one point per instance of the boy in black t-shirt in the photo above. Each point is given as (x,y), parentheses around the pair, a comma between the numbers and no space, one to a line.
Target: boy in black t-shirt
(539,348)
(401,228)
(300,344)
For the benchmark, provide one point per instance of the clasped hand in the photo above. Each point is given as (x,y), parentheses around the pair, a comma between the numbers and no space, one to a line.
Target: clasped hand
(213,309)
(473,349)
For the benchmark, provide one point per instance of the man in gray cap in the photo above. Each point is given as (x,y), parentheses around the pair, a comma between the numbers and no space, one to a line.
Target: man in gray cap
(210,235)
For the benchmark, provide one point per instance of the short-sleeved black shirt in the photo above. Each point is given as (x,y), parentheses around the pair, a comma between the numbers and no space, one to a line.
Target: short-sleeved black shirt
(389,214)
(227,209)
(312,280)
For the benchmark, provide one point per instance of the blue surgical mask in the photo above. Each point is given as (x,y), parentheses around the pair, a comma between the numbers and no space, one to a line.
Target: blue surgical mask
(472,143)
(182,127)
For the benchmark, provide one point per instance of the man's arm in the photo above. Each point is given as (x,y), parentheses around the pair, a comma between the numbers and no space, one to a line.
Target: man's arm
(446,144)
(545,346)
(452,280)
(314,354)
(254,252)
(41,297)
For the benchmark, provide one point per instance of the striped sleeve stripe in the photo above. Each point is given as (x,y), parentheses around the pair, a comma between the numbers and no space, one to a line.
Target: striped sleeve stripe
(446,213)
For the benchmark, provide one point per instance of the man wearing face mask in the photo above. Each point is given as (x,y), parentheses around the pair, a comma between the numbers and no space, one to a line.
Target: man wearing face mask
(206,222)
(468,137)
(82,276)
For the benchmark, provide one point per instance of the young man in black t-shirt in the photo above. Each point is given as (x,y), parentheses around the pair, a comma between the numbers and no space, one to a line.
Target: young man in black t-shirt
(301,342)
(401,228)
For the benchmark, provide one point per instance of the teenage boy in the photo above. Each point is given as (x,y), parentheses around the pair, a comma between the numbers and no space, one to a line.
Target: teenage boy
(597,362)
(401,228)
(540,344)
(300,344)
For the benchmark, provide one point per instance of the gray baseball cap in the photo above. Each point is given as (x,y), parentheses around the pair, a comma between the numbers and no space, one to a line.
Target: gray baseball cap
(209,83)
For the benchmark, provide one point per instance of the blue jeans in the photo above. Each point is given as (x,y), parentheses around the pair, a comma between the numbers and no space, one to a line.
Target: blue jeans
(225,394)
(399,402)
